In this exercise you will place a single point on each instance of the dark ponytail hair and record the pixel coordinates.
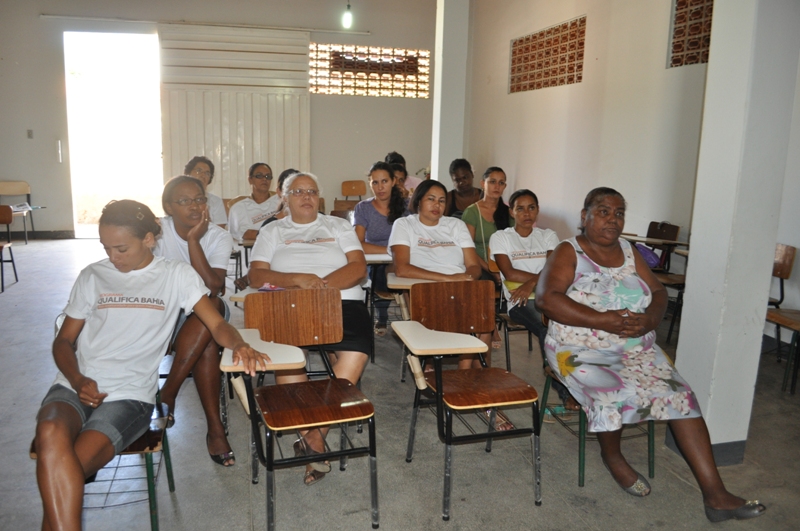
(501, 212)
(133, 215)
(397, 205)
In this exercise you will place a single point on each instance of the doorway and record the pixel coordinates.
(114, 122)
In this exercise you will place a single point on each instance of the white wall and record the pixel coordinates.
(347, 132)
(632, 124)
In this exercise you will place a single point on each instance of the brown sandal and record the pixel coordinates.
(312, 476)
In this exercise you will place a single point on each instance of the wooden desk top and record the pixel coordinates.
(240, 295)
(653, 241)
(424, 342)
(395, 282)
(382, 258)
(682, 252)
(283, 357)
(247, 243)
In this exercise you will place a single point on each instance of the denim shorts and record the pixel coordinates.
(122, 421)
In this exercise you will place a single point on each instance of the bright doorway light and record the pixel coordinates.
(114, 119)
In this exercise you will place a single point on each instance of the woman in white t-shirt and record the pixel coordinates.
(247, 216)
(308, 250)
(119, 319)
(188, 235)
(521, 252)
(202, 168)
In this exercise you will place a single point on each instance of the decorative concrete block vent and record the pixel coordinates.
(548, 58)
(691, 32)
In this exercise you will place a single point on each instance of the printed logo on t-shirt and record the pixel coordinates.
(526, 255)
(118, 300)
(311, 241)
(261, 217)
(430, 244)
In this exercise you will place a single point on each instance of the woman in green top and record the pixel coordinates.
(486, 217)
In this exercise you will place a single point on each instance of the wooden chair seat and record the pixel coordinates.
(482, 388)
(671, 279)
(323, 402)
(786, 318)
(444, 314)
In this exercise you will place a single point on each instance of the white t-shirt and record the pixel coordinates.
(217, 244)
(247, 214)
(216, 209)
(438, 248)
(129, 318)
(526, 254)
(319, 247)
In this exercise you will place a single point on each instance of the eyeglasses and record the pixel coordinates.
(185, 201)
(299, 191)
(266, 176)
(206, 173)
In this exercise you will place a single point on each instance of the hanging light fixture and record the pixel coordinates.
(347, 18)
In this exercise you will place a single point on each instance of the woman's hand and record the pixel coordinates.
(250, 359)
(309, 281)
(624, 323)
(88, 393)
(521, 295)
(199, 230)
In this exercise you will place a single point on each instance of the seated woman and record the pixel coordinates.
(308, 250)
(188, 236)
(119, 320)
(604, 304)
(373, 224)
(464, 194)
(203, 169)
(246, 216)
(520, 252)
(485, 217)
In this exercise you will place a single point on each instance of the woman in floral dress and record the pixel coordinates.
(604, 304)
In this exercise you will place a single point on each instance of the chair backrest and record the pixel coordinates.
(358, 188)
(493, 267)
(230, 202)
(6, 215)
(321, 208)
(784, 261)
(461, 307)
(299, 317)
(663, 230)
(344, 204)
(14, 188)
(344, 214)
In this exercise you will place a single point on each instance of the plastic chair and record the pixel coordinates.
(305, 318)
(443, 315)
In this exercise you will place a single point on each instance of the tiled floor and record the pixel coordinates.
(490, 491)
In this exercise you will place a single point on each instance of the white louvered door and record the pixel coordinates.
(237, 96)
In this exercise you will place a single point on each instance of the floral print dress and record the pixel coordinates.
(616, 380)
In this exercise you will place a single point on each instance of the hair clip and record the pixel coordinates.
(139, 216)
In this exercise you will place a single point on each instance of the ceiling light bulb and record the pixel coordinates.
(347, 18)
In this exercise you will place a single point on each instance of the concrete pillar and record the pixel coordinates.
(449, 85)
(747, 114)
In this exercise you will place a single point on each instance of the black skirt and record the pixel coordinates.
(357, 328)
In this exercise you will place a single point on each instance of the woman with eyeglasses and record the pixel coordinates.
(308, 250)
(247, 216)
(187, 235)
(203, 169)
